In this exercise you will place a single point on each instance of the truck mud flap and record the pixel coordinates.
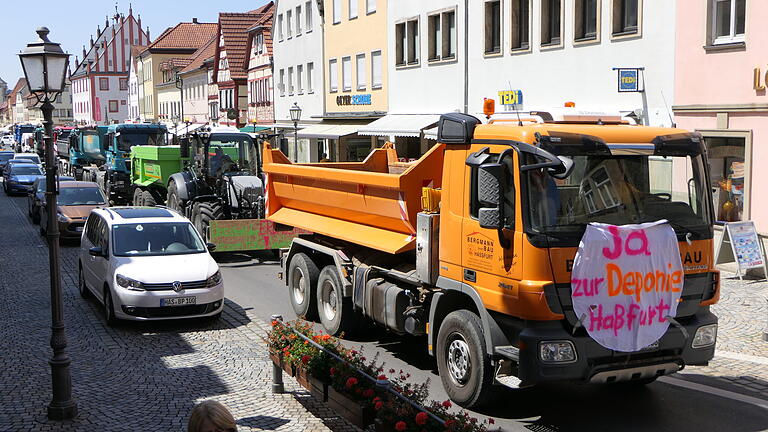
(358, 294)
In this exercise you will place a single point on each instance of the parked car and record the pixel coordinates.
(36, 196)
(6, 140)
(148, 263)
(5, 156)
(28, 156)
(75, 201)
(18, 177)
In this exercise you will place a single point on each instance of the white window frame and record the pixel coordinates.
(587, 38)
(280, 27)
(336, 12)
(310, 77)
(288, 25)
(281, 83)
(487, 29)
(352, 9)
(308, 16)
(290, 81)
(299, 73)
(732, 37)
(438, 45)
(361, 76)
(410, 58)
(561, 30)
(374, 84)
(616, 19)
(346, 73)
(370, 6)
(297, 14)
(333, 75)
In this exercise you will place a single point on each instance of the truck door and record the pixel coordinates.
(490, 264)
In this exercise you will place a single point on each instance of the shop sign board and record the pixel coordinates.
(511, 99)
(358, 99)
(629, 80)
(746, 248)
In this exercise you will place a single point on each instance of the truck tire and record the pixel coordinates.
(336, 313)
(203, 214)
(149, 199)
(462, 361)
(138, 197)
(173, 201)
(302, 280)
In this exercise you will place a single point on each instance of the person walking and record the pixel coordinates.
(211, 416)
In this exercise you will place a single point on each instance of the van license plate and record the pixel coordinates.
(178, 301)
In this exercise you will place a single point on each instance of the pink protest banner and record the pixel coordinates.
(626, 281)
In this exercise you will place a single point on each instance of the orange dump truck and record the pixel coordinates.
(473, 244)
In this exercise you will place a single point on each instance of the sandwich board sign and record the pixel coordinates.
(746, 249)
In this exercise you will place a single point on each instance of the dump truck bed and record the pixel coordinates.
(371, 203)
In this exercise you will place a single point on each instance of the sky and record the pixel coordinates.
(73, 22)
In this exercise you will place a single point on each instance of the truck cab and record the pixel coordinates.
(85, 152)
(120, 138)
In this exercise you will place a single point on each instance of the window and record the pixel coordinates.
(310, 74)
(521, 19)
(308, 15)
(407, 42)
(585, 19)
(361, 75)
(288, 24)
(336, 11)
(376, 72)
(442, 35)
(103, 83)
(493, 27)
(728, 18)
(113, 106)
(550, 22)
(299, 73)
(281, 84)
(346, 73)
(298, 20)
(280, 27)
(123, 83)
(333, 75)
(290, 81)
(370, 6)
(352, 8)
(728, 170)
(625, 17)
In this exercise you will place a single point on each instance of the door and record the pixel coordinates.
(88, 241)
(100, 264)
(490, 264)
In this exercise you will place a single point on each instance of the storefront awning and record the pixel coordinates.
(328, 131)
(403, 125)
(184, 129)
(252, 129)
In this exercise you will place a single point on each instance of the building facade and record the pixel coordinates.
(62, 109)
(300, 52)
(195, 83)
(260, 88)
(721, 70)
(135, 90)
(100, 79)
(17, 102)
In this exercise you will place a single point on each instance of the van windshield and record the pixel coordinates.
(166, 238)
(628, 186)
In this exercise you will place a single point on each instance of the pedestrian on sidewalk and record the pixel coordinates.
(211, 416)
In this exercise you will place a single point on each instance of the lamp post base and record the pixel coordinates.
(59, 412)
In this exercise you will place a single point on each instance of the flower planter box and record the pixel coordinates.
(318, 389)
(381, 426)
(302, 377)
(277, 358)
(350, 409)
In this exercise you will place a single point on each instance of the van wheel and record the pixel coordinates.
(464, 366)
(138, 197)
(302, 280)
(334, 309)
(84, 293)
(109, 308)
(149, 199)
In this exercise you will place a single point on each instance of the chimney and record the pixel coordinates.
(194, 21)
(148, 38)
(98, 32)
(91, 41)
(77, 61)
(84, 53)
(139, 22)
(106, 22)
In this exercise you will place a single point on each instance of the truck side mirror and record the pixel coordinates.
(184, 147)
(491, 188)
(563, 170)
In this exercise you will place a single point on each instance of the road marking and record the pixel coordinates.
(762, 403)
(742, 357)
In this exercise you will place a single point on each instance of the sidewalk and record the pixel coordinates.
(136, 377)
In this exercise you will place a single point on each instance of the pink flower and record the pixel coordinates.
(447, 404)
(400, 426)
(351, 382)
(306, 359)
(421, 418)
(378, 405)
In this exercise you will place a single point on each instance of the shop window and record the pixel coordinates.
(585, 19)
(442, 35)
(520, 31)
(492, 27)
(626, 17)
(728, 20)
(727, 171)
(551, 13)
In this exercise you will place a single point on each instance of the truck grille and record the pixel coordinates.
(169, 286)
(697, 287)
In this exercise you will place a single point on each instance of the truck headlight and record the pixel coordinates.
(705, 336)
(214, 280)
(129, 283)
(557, 352)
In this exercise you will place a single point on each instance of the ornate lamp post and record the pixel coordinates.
(295, 112)
(180, 86)
(45, 68)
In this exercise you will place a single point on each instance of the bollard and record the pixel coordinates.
(277, 371)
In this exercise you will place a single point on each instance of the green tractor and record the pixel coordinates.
(214, 178)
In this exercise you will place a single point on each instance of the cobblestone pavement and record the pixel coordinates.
(136, 377)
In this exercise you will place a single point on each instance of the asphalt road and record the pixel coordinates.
(661, 406)
(252, 283)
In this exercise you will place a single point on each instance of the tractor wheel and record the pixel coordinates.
(138, 197)
(173, 201)
(149, 199)
(204, 213)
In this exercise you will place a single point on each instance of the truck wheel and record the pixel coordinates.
(335, 311)
(302, 280)
(138, 197)
(204, 213)
(464, 366)
(149, 199)
(173, 200)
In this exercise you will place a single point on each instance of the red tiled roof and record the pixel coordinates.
(185, 36)
(175, 63)
(201, 55)
(234, 29)
(20, 84)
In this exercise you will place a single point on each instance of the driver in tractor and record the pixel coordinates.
(221, 162)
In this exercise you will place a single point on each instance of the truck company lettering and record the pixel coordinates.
(480, 251)
(626, 281)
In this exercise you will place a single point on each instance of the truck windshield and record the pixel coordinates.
(230, 153)
(620, 188)
(90, 141)
(127, 140)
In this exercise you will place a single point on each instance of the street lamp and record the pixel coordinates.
(45, 68)
(295, 112)
(180, 86)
